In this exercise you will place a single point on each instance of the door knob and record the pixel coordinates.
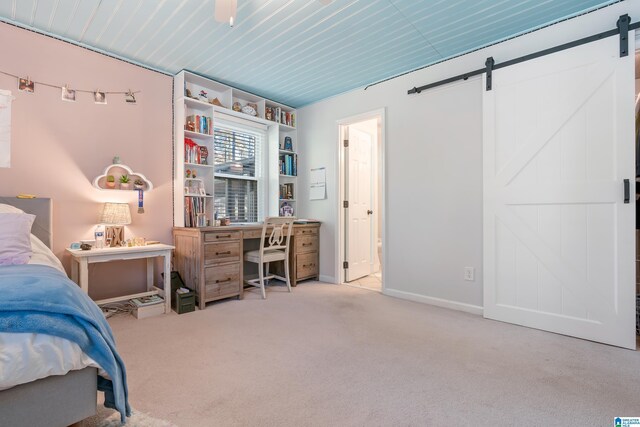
(369, 212)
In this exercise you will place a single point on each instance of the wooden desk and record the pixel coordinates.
(80, 261)
(210, 259)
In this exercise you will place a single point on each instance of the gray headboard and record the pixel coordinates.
(41, 208)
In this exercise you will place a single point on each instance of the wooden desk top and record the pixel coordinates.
(242, 227)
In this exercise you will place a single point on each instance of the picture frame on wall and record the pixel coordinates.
(67, 94)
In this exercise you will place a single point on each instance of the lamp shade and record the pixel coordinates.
(115, 213)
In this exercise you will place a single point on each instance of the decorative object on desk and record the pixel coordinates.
(288, 143)
(115, 216)
(125, 183)
(140, 201)
(26, 85)
(225, 221)
(85, 246)
(111, 181)
(286, 209)
(67, 94)
(202, 96)
(138, 184)
(204, 153)
(75, 246)
(99, 97)
(237, 107)
(216, 101)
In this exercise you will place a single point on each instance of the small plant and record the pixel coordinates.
(111, 178)
(111, 181)
(124, 179)
(138, 182)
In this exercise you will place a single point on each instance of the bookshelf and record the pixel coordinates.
(199, 104)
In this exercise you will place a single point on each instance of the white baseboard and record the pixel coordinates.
(454, 305)
(327, 279)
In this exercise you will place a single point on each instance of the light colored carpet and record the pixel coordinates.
(110, 418)
(329, 355)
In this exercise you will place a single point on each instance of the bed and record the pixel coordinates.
(53, 338)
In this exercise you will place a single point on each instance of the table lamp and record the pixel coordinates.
(115, 216)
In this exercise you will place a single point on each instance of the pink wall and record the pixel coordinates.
(58, 147)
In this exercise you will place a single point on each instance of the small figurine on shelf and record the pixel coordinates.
(190, 126)
(237, 106)
(268, 113)
(288, 144)
(188, 172)
(286, 209)
(202, 96)
(116, 160)
(204, 153)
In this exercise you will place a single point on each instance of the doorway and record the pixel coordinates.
(361, 198)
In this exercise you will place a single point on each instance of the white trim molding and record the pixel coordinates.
(439, 302)
(328, 279)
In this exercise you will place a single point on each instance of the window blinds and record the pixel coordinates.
(237, 162)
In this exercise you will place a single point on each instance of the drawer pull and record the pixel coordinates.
(223, 281)
(307, 244)
(220, 236)
(223, 253)
(308, 265)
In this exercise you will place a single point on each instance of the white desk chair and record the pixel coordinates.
(276, 248)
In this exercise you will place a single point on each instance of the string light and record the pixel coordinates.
(69, 94)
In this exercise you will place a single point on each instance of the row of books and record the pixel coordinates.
(200, 124)
(278, 115)
(192, 151)
(286, 191)
(288, 164)
(194, 212)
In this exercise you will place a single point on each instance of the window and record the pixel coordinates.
(238, 180)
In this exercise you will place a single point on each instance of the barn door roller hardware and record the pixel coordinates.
(623, 26)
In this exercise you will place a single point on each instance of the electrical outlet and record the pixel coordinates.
(469, 273)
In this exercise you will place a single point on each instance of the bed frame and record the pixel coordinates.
(58, 400)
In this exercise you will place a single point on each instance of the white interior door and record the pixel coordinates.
(359, 237)
(558, 239)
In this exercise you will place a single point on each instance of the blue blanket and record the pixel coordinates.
(41, 299)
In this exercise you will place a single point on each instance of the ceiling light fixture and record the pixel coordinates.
(226, 11)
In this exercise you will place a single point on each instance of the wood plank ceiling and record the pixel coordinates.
(293, 51)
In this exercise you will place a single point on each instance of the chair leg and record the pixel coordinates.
(286, 273)
(261, 271)
(267, 271)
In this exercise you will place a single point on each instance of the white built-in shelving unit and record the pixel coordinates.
(279, 121)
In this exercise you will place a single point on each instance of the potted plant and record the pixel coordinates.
(138, 184)
(125, 183)
(111, 181)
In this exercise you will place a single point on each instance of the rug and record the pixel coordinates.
(109, 418)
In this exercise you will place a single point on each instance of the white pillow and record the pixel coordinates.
(15, 238)
(9, 209)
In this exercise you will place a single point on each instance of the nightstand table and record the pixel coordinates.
(80, 261)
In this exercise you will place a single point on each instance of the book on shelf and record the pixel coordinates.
(289, 164)
(194, 212)
(200, 124)
(286, 191)
(276, 114)
(148, 300)
(192, 151)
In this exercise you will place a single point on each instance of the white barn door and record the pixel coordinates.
(559, 250)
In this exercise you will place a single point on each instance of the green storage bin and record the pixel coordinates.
(184, 303)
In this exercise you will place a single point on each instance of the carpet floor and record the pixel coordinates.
(328, 355)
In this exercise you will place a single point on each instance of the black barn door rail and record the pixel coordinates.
(623, 26)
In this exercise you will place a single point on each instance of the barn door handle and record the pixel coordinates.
(626, 191)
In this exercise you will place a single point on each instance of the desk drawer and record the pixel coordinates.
(306, 244)
(216, 253)
(221, 280)
(219, 236)
(306, 265)
(305, 231)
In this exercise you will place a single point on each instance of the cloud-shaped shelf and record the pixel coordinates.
(117, 170)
